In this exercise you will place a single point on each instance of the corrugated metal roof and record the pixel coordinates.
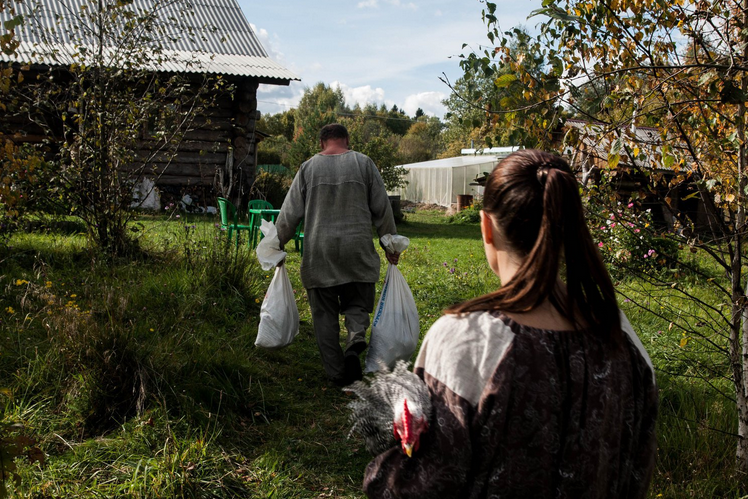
(196, 36)
(456, 162)
(496, 151)
(595, 141)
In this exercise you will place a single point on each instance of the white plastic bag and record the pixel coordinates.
(279, 316)
(268, 250)
(395, 329)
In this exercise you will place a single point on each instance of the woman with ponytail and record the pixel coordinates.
(540, 389)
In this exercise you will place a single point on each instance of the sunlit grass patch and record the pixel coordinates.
(139, 377)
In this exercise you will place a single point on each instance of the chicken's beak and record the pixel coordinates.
(408, 448)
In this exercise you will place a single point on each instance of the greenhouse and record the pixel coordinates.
(441, 181)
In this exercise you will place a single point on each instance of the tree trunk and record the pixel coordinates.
(739, 345)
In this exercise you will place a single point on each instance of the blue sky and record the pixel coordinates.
(381, 51)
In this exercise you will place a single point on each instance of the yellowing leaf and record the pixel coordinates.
(683, 342)
(505, 80)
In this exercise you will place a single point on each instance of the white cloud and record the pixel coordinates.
(397, 3)
(374, 4)
(273, 99)
(360, 95)
(429, 102)
(268, 43)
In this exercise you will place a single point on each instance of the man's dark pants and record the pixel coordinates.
(355, 301)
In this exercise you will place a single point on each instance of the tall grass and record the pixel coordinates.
(139, 378)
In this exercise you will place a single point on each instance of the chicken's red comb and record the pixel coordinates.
(406, 421)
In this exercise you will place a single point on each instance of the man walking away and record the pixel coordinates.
(339, 194)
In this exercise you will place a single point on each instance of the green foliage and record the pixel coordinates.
(14, 445)
(469, 215)
(273, 187)
(397, 121)
(274, 151)
(370, 137)
(19, 184)
(422, 142)
(319, 106)
(279, 125)
(487, 102)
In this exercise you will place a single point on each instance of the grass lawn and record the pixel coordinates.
(140, 378)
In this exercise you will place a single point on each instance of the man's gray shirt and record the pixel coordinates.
(339, 196)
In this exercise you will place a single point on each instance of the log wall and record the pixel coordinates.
(217, 156)
(219, 152)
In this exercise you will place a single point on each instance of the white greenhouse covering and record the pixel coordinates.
(440, 181)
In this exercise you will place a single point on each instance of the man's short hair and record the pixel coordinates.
(333, 131)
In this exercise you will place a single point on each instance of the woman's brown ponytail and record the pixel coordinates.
(534, 199)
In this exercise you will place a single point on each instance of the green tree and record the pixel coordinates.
(467, 121)
(279, 125)
(484, 102)
(319, 106)
(423, 142)
(276, 149)
(680, 67)
(369, 136)
(397, 121)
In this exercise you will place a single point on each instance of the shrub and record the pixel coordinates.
(469, 215)
(273, 187)
(216, 263)
(20, 185)
(628, 241)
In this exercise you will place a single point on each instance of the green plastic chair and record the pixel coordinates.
(256, 220)
(298, 238)
(230, 219)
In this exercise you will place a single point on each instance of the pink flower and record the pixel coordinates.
(637, 230)
(612, 225)
(630, 205)
(600, 244)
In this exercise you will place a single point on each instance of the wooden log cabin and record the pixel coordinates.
(218, 155)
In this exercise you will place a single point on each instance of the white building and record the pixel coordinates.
(440, 181)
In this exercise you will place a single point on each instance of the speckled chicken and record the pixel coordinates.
(393, 406)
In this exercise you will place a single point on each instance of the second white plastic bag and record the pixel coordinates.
(279, 315)
(395, 329)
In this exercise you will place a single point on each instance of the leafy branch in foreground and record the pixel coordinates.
(678, 68)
